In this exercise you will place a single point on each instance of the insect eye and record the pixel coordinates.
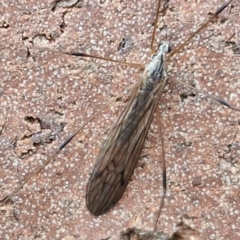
(169, 48)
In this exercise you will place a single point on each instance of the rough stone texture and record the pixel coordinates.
(45, 96)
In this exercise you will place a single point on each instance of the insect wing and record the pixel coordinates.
(118, 157)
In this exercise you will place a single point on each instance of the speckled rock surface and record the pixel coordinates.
(45, 96)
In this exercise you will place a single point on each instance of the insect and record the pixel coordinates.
(29, 119)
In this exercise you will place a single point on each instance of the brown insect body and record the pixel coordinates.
(118, 156)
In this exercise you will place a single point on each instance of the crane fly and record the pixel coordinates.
(118, 156)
